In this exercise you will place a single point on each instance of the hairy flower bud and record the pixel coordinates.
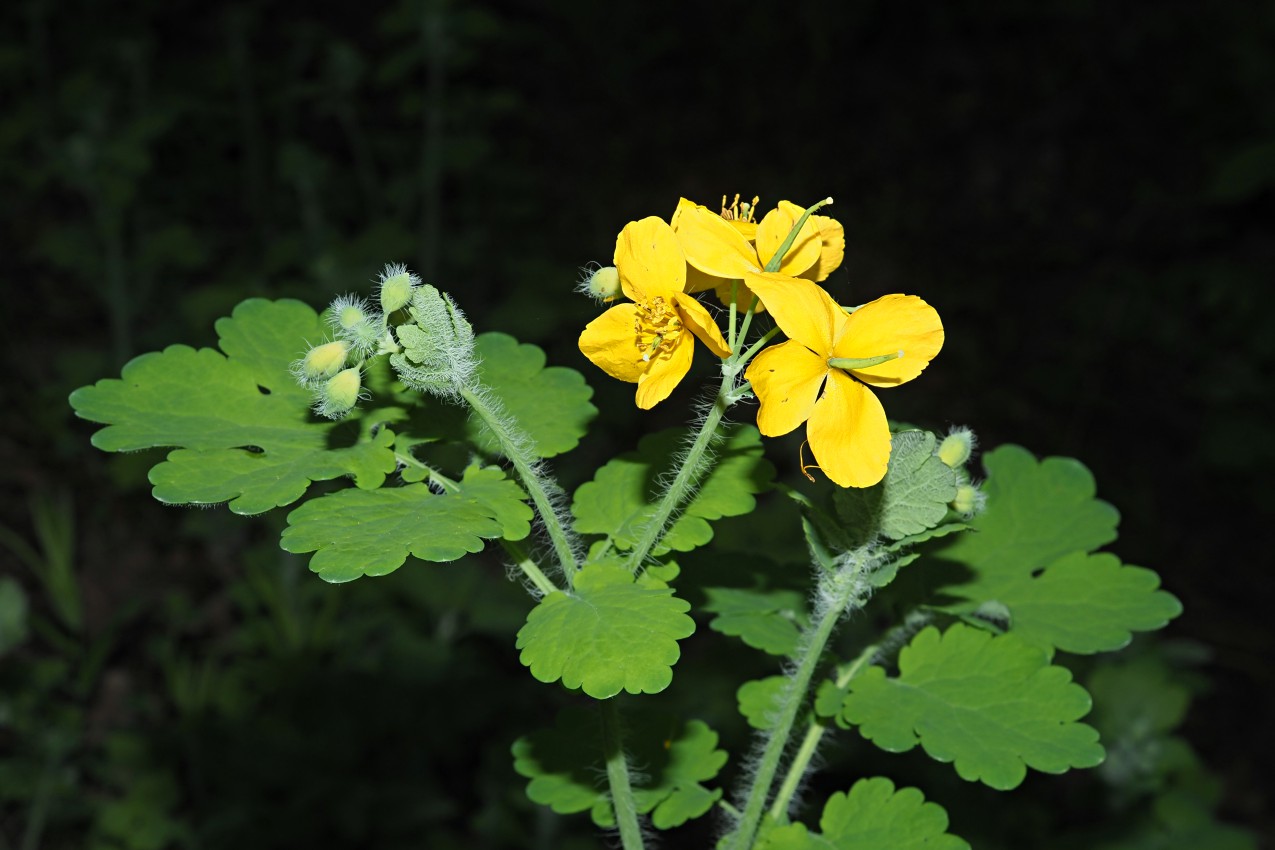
(322, 361)
(396, 287)
(339, 394)
(357, 324)
(957, 447)
(969, 500)
(602, 284)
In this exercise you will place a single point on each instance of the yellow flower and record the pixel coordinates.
(647, 342)
(728, 247)
(882, 344)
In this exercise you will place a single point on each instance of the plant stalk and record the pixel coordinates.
(618, 776)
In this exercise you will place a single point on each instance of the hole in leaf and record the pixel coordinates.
(263, 390)
(1038, 572)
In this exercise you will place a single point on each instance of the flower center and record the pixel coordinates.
(739, 211)
(656, 327)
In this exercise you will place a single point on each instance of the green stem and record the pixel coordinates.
(618, 776)
(778, 258)
(841, 588)
(513, 444)
(687, 477)
(734, 287)
(529, 567)
(759, 344)
(810, 744)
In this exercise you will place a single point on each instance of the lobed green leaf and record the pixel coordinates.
(768, 620)
(872, 816)
(566, 767)
(242, 426)
(610, 634)
(623, 494)
(912, 498)
(355, 533)
(993, 705)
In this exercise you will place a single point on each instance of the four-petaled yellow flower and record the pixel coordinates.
(650, 340)
(822, 373)
(722, 248)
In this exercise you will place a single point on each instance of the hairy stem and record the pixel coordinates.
(514, 445)
(838, 591)
(618, 776)
(687, 477)
(810, 744)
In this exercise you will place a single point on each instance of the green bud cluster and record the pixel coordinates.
(956, 450)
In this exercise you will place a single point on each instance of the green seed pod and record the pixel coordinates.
(322, 361)
(339, 394)
(957, 447)
(396, 287)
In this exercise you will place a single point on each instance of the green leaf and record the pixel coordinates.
(610, 634)
(872, 816)
(1079, 603)
(1027, 552)
(912, 498)
(242, 426)
(759, 699)
(567, 769)
(621, 497)
(768, 620)
(1036, 513)
(550, 404)
(355, 533)
(991, 704)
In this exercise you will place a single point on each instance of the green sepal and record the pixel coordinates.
(611, 633)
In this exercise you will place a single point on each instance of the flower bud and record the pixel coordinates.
(396, 287)
(969, 500)
(957, 447)
(322, 361)
(357, 324)
(339, 393)
(602, 283)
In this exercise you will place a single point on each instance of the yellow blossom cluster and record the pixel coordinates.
(821, 375)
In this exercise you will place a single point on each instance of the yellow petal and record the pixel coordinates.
(848, 433)
(889, 324)
(700, 323)
(832, 238)
(743, 296)
(682, 205)
(713, 246)
(801, 309)
(665, 372)
(747, 229)
(649, 259)
(697, 281)
(610, 341)
(786, 379)
(773, 230)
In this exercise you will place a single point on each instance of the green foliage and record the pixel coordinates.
(565, 766)
(551, 404)
(759, 699)
(768, 620)
(13, 614)
(610, 634)
(991, 704)
(371, 532)
(912, 498)
(243, 425)
(1027, 552)
(622, 495)
(872, 816)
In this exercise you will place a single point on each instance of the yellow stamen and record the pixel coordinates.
(737, 211)
(656, 327)
(801, 459)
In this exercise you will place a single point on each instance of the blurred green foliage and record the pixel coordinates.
(1084, 192)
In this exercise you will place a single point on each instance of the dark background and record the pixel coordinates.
(1084, 190)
